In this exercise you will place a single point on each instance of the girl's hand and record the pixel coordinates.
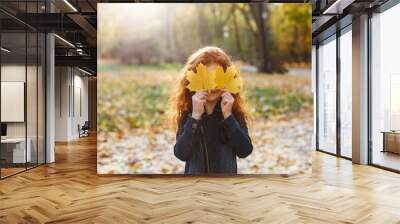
(226, 104)
(199, 101)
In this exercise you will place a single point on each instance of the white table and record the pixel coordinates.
(18, 144)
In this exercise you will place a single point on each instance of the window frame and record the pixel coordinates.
(346, 27)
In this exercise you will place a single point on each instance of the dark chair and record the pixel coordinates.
(84, 130)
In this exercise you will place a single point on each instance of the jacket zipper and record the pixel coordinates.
(204, 143)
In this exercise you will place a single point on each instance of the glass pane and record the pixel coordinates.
(13, 86)
(386, 89)
(31, 97)
(41, 98)
(346, 94)
(327, 97)
(22, 88)
(31, 86)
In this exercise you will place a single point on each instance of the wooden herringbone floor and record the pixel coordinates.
(70, 191)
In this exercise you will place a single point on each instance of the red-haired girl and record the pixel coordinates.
(211, 125)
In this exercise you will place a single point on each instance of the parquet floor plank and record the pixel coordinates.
(70, 191)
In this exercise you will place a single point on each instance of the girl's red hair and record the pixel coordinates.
(182, 97)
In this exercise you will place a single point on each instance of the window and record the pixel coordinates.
(346, 92)
(327, 95)
(385, 88)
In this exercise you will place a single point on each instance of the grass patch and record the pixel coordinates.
(125, 103)
(271, 101)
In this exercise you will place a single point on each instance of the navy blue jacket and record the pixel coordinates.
(211, 144)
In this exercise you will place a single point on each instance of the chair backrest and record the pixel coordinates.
(86, 124)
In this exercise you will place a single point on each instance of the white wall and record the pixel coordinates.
(62, 81)
(80, 110)
(12, 73)
(70, 83)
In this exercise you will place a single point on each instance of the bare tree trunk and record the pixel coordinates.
(246, 15)
(237, 36)
(203, 26)
(260, 14)
(170, 34)
(220, 22)
(267, 62)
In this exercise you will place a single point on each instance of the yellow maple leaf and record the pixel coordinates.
(228, 80)
(202, 79)
(235, 85)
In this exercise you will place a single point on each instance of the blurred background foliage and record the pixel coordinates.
(269, 37)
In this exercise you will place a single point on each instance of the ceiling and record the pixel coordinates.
(75, 22)
(329, 15)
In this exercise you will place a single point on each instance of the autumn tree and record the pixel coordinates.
(267, 36)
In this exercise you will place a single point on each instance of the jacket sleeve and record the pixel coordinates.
(237, 137)
(185, 138)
